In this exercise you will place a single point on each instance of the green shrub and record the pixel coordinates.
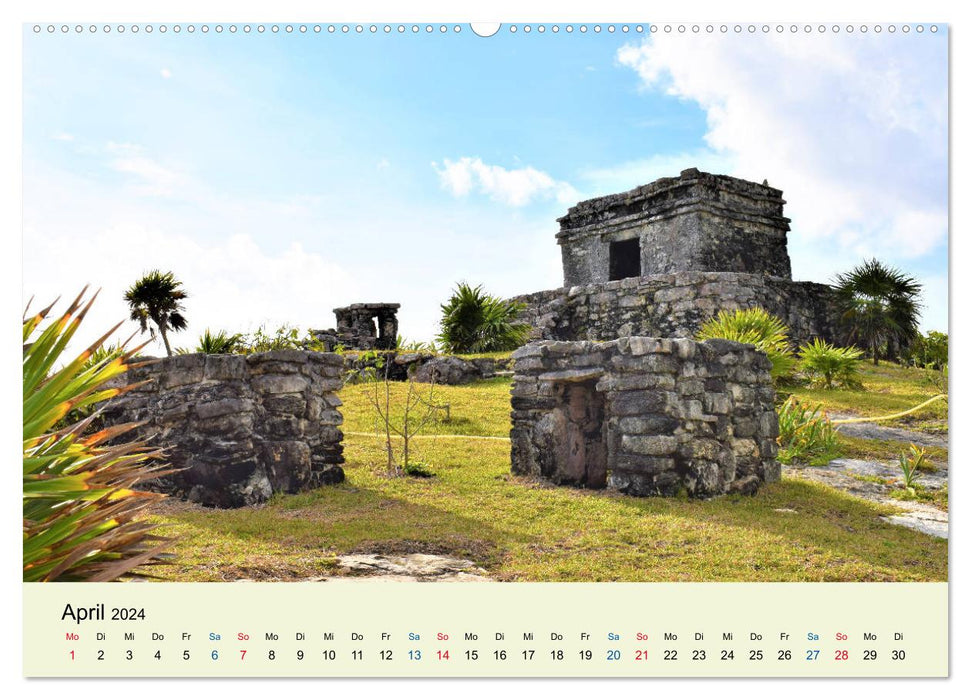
(759, 328)
(286, 337)
(219, 343)
(405, 345)
(878, 308)
(929, 351)
(473, 322)
(805, 434)
(830, 367)
(80, 505)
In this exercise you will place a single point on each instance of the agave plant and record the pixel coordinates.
(219, 343)
(80, 505)
(805, 433)
(831, 367)
(757, 327)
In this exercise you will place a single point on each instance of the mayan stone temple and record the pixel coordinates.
(614, 391)
(661, 259)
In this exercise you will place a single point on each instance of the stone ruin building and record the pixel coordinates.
(647, 416)
(613, 391)
(363, 327)
(663, 258)
(238, 428)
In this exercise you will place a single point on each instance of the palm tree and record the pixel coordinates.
(157, 297)
(473, 322)
(877, 305)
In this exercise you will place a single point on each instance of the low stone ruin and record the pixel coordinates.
(647, 416)
(428, 367)
(363, 327)
(239, 427)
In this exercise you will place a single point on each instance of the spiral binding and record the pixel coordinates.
(417, 29)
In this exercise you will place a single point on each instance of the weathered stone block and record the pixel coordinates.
(717, 403)
(280, 383)
(222, 407)
(182, 375)
(633, 403)
(583, 374)
(225, 367)
(656, 445)
(648, 425)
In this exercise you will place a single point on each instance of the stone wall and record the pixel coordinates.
(647, 416)
(239, 427)
(675, 306)
(695, 222)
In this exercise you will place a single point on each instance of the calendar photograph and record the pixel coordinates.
(464, 303)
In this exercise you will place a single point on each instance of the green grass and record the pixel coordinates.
(481, 408)
(887, 389)
(520, 530)
(936, 497)
(886, 450)
(497, 355)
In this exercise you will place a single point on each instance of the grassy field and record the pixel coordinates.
(519, 530)
(887, 389)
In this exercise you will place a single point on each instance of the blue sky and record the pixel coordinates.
(282, 175)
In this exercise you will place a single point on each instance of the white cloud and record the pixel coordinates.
(516, 187)
(233, 283)
(852, 128)
(152, 177)
(165, 73)
(62, 136)
(626, 176)
(93, 236)
(270, 260)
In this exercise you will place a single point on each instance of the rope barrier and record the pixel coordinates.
(434, 437)
(842, 421)
(845, 421)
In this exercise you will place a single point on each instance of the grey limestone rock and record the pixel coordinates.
(595, 414)
(239, 428)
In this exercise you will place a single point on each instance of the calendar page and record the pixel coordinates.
(547, 349)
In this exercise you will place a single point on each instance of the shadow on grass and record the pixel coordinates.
(519, 530)
(318, 525)
(817, 519)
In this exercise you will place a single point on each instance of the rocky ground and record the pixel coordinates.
(401, 568)
(875, 481)
(874, 431)
(410, 567)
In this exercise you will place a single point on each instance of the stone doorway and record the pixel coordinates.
(625, 259)
(580, 456)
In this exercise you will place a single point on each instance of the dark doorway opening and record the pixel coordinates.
(580, 451)
(625, 259)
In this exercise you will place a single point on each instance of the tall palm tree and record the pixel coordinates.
(878, 305)
(157, 297)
